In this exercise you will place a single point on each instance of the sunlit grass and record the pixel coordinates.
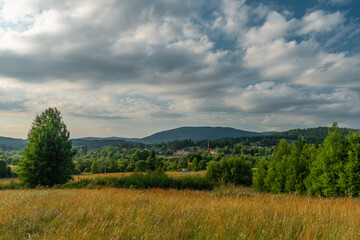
(225, 213)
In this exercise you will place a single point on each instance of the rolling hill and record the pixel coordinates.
(197, 134)
(11, 141)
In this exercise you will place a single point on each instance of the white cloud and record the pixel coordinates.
(275, 27)
(281, 60)
(138, 61)
(319, 21)
(279, 105)
(235, 17)
(332, 70)
(20, 10)
(265, 97)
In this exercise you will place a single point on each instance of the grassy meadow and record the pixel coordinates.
(93, 176)
(224, 213)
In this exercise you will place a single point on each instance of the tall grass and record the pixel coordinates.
(133, 181)
(225, 213)
(93, 176)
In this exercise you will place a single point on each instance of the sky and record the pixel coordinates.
(132, 68)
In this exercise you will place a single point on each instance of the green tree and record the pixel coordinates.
(275, 178)
(214, 171)
(141, 166)
(112, 165)
(4, 171)
(350, 177)
(94, 167)
(202, 165)
(48, 157)
(130, 167)
(151, 160)
(195, 164)
(328, 166)
(259, 175)
(136, 156)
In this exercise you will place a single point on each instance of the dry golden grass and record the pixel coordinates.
(225, 213)
(7, 180)
(93, 176)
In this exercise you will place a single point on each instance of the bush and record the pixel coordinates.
(156, 180)
(11, 185)
(230, 170)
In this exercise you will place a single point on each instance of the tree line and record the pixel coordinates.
(330, 168)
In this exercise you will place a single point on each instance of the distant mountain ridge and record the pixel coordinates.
(197, 134)
(12, 141)
(182, 133)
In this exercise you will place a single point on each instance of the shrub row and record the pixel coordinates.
(134, 181)
(155, 180)
(10, 185)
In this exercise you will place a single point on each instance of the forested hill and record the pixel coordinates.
(197, 134)
(95, 143)
(7, 143)
(311, 135)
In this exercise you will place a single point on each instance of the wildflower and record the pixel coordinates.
(263, 231)
(54, 214)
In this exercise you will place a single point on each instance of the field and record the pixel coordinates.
(93, 176)
(224, 213)
(172, 174)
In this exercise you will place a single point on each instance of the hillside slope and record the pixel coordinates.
(6, 141)
(197, 134)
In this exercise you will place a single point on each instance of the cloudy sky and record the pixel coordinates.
(131, 68)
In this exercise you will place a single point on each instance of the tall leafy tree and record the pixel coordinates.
(113, 165)
(151, 160)
(4, 169)
(276, 174)
(328, 166)
(48, 157)
(259, 175)
(95, 168)
(349, 181)
(141, 166)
